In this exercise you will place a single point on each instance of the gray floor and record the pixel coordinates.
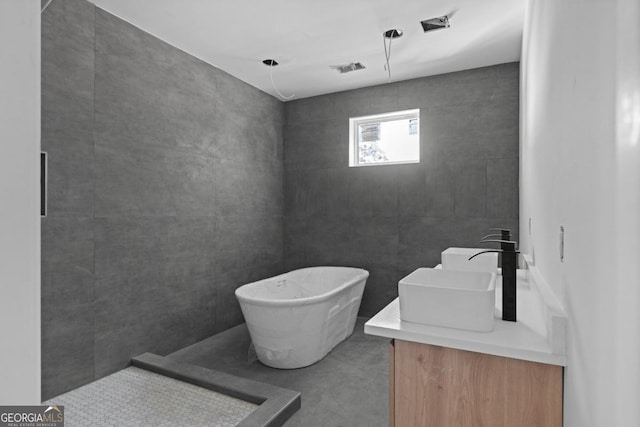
(347, 388)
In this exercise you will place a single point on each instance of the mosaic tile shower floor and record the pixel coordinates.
(136, 397)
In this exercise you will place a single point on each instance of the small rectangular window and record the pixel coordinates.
(388, 138)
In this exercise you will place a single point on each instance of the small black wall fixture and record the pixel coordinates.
(43, 184)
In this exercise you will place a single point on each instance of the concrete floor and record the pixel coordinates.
(347, 388)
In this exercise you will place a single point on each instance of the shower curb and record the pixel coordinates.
(276, 404)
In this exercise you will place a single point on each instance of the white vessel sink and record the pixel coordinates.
(455, 299)
(458, 259)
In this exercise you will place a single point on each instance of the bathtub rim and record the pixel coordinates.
(360, 274)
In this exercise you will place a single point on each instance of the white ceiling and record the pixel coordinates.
(307, 37)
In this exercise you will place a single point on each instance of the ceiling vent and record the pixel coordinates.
(347, 68)
(433, 24)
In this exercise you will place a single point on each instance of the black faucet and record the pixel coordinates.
(505, 234)
(509, 256)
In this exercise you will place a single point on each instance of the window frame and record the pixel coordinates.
(355, 122)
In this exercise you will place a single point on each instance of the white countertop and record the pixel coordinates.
(537, 336)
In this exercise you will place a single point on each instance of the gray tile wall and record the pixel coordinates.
(165, 194)
(393, 219)
(166, 188)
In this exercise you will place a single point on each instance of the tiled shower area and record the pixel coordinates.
(346, 388)
(165, 193)
(172, 183)
(134, 396)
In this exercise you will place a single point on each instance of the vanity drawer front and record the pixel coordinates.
(439, 386)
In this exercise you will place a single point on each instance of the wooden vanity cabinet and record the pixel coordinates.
(441, 387)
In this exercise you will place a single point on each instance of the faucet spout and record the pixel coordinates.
(485, 252)
(505, 233)
(508, 245)
(490, 236)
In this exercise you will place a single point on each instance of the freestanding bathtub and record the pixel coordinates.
(296, 318)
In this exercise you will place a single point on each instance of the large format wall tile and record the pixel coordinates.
(166, 194)
(502, 188)
(67, 347)
(440, 178)
(411, 190)
(67, 232)
(242, 138)
(337, 192)
(226, 284)
(169, 314)
(393, 219)
(67, 303)
(463, 87)
(317, 144)
(247, 241)
(471, 189)
(149, 93)
(310, 109)
(380, 289)
(294, 243)
(365, 101)
(67, 106)
(67, 260)
(152, 181)
(235, 96)
(242, 190)
(327, 241)
(247, 248)
(136, 248)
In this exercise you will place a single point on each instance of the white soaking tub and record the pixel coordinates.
(296, 318)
